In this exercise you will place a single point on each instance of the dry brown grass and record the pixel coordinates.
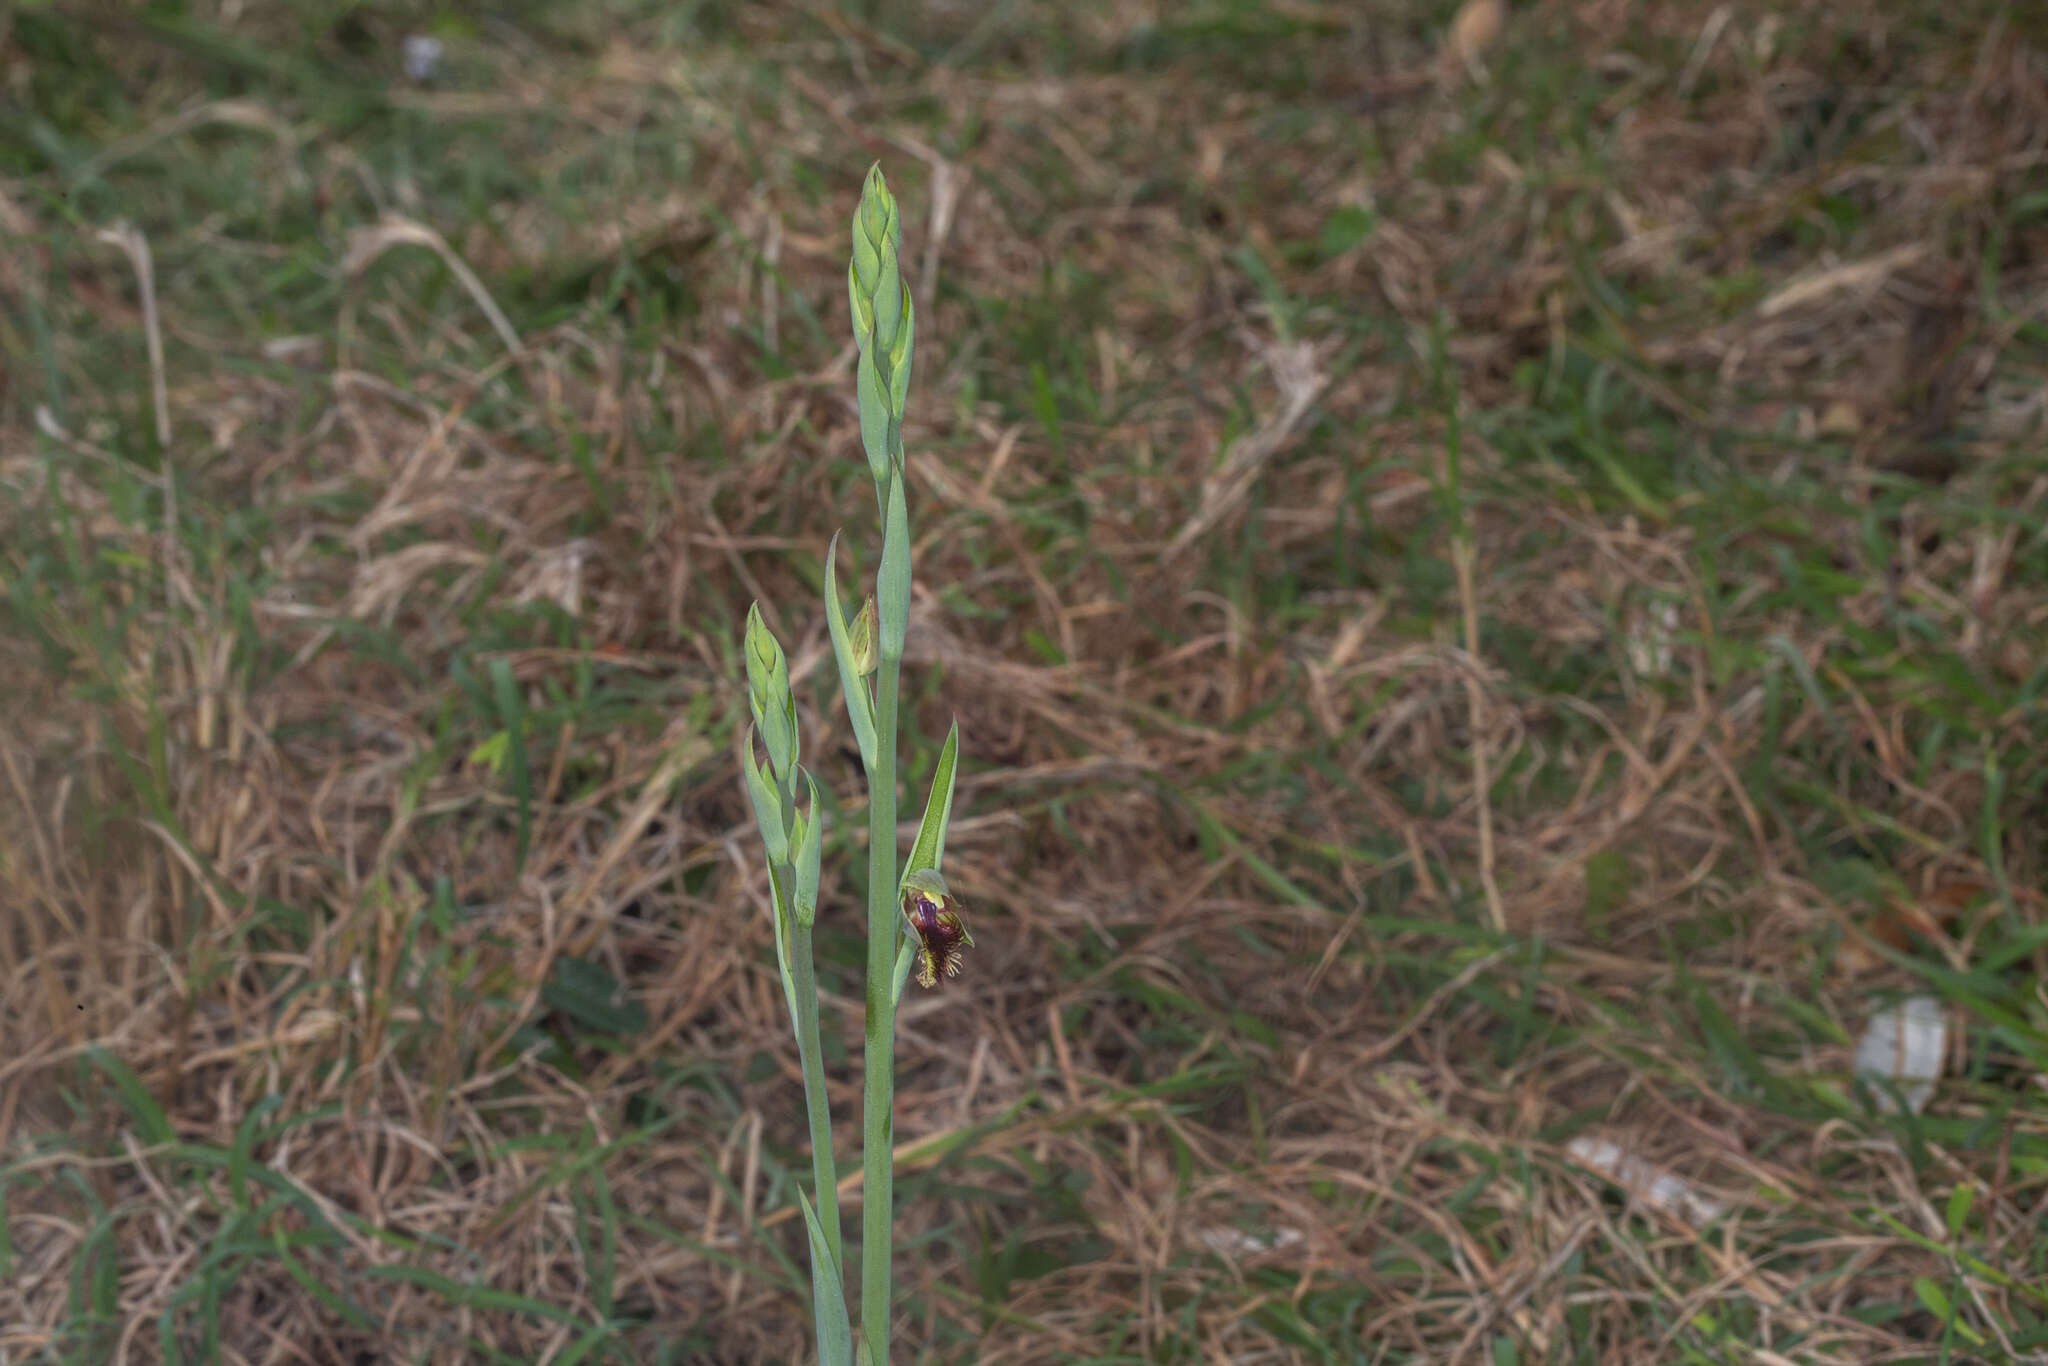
(1224, 857)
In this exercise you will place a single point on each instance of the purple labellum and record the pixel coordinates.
(941, 934)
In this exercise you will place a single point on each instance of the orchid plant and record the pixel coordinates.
(913, 920)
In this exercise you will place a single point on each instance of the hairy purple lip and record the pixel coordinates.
(941, 935)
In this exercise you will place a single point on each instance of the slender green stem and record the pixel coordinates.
(878, 1106)
(817, 1100)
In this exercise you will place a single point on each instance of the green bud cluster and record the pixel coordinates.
(883, 323)
(793, 839)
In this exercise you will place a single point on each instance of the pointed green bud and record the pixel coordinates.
(768, 694)
(899, 369)
(860, 638)
(873, 279)
(863, 306)
(809, 841)
(889, 296)
(877, 218)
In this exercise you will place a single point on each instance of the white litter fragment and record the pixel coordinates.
(422, 56)
(1231, 1242)
(1650, 640)
(1904, 1045)
(1647, 1183)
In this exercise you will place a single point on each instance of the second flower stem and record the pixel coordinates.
(824, 1171)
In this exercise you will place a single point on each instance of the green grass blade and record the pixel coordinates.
(149, 1116)
(512, 715)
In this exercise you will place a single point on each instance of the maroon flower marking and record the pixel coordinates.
(935, 920)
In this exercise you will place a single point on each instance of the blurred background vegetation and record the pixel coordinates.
(1490, 561)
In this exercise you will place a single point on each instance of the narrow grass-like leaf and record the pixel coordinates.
(597, 1337)
(241, 1155)
(828, 1298)
(860, 704)
(470, 1296)
(585, 990)
(512, 713)
(315, 1286)
(149, 1116)
(930, 848)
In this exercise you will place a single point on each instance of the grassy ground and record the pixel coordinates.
(1491, 613)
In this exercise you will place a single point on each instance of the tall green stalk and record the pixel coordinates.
(878, 1102)
(912, 919)
(882, 327)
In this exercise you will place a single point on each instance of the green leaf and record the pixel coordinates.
(808, 854)
(1345, 229)
(1608, 879)
(767, 807)
(892, 595)
(491, 753)
(930, 849)
(149, 1116)
(1937, 1302)
(828, 1295)
(860, 704)
(585, 991)
(1959, 1202)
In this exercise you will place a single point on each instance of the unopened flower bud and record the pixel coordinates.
(768, 694)
(860, 638)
